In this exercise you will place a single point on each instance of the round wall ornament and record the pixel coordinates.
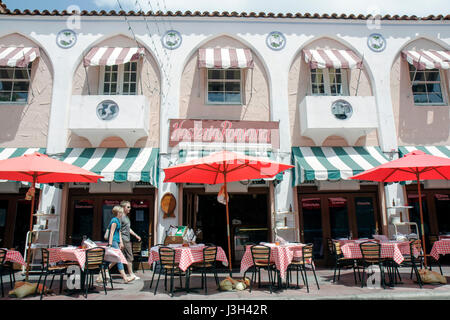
(276, 40)
(168, 205)
(66, 38)
(107, 110)
(376, 42)
(341, 109)
(171, 39)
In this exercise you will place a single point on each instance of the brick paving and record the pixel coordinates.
(344, 289)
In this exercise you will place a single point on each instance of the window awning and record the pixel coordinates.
(427, 59)
(225, 58)
(17, 56)
(332, 58)
(115, 164)
(109, 56)
(438, 151)
(333, 163)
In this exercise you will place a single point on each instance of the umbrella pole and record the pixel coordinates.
(228, 225)
(421, 222)
(31, 229)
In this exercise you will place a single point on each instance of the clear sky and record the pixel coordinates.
(401, 7)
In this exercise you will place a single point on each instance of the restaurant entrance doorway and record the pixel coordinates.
(249, 218)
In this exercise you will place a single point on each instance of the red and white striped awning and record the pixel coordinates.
(427, 59)
(225, 58)
(17, 56)
(109, 56)
(332, 58)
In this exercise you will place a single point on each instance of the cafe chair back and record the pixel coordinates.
(371, 255)
(6, 267)
(47, 269)
(341, 262)
(261, 260)
(169, 267)
(412, 261)
(156, 265)
(137, 254)
(301, 264)
(208, 263)
(95, 258)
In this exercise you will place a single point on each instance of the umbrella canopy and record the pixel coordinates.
(222, 167)
(414, 166)
(40, 168)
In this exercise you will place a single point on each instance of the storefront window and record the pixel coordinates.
(414, 213)
(338, 217)
(83, 221)
(442, 203)
(365, 217)
(3, 211)
(312, 224)
(139, 218)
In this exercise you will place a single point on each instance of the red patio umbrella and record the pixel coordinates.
(223, 167)
(40, 168)
(414, 166)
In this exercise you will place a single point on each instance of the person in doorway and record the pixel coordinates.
(115, 239)
(126, 233)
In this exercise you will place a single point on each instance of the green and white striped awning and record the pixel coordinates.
(438, 151)
(333, 163)
(117, 164)
(185, 155)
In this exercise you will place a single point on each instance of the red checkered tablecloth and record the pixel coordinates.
(393, 249)
(281, 255)
(15, 256)
(185, 256)
(440, 247)
(79, 255)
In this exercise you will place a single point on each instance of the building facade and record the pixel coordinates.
(128, 94)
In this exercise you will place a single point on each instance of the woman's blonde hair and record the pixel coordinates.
(116, 210)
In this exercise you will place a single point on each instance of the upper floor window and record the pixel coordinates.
(119, 79)
(14, 84)
(329, 82)
(224, 86)
(426, 86)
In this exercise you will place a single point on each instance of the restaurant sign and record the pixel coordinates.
(224, 131)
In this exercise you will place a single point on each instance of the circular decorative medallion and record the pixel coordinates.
(66, 38)
(168, 205)
(376, 42)
(341, 109)
(276, 40)
(107, 110)
(171, 39)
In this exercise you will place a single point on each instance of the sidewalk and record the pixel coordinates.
(345, 289)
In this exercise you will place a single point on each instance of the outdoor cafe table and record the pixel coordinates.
(15, 257)
(282, 255)
(441, 247)
(79, 255)
(185, 256)
(391, 249)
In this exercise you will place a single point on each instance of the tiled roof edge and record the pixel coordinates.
(5, 11)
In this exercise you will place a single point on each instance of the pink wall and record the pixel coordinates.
(26, 125)
(149, 83)
(418, 125)
(299, 87)
(256, 105)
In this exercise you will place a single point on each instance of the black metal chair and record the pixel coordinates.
(208, 263)
(156, 266)
(95, 262)
(167, 262)
(300, 263)
(137, 255)
(371, 255)
(414, 262)
(261, 260)
(340, 261)
(46, 270)
(8, 267)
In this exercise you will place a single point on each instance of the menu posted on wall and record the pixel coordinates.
(224, 131)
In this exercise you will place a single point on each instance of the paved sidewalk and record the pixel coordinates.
(344, 289)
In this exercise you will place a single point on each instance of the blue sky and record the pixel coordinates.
(401, 7)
